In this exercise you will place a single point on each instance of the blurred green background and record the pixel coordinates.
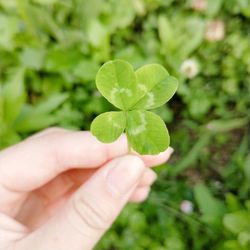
(50, 51)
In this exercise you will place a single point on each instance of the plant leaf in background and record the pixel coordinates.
(14, 95)
(8, 29)
(214, 7)
(32, 58)
(40, 116)
(237, 222)
(212, 209)
(133, 92)
(191, 34)
(12, 101)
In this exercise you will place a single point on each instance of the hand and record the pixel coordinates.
(62, 190)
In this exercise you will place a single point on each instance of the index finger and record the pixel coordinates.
(34, 162)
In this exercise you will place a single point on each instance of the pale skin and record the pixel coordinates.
(62, 190)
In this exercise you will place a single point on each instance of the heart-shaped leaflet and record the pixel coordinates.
(134, 93)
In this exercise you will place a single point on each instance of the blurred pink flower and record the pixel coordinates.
(215, 31)
(186, 207)
(199, 5)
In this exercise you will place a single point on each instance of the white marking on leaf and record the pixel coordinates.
(142, 87)
(142, 127)
(116, 125)
(115, 91)
(110, 120)
(151, 99)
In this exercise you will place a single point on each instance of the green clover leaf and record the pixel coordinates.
(133, 92)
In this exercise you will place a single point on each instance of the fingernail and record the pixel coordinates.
(125, 173)
(171, 150)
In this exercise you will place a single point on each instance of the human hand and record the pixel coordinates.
(62, 190)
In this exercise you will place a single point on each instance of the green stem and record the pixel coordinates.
(129, 149)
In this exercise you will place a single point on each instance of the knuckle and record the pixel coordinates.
(136, 159)
(95, 215)
(48, 132)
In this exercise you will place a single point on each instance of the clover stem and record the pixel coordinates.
(129, 149)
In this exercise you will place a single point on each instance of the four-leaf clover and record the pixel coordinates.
(133, 92)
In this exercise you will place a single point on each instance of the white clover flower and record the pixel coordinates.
(199, 5)
(215, 31)
(190, 68)
(187, 207)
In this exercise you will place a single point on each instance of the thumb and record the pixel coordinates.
(92, 209)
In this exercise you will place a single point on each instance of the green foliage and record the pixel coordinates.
(132, 92)
(108, 126)
(146, 132)
(211, 208)
(50, 53)
(237, 222)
